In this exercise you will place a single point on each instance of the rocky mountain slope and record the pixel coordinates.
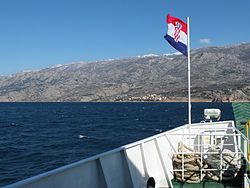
(217, 73)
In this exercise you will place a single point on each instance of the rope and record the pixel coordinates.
(228, 161)
(189, 164)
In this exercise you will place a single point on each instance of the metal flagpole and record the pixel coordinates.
(189, 93)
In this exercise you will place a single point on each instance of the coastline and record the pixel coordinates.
(171, 100)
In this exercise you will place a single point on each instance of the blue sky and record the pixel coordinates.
(38, 34)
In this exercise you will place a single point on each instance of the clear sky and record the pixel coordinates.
(37, 34)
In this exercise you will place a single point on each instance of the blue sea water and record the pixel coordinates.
(38, 137)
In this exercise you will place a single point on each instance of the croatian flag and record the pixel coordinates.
(177, 34)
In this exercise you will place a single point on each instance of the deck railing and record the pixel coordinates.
(208, 137)
(134, 163)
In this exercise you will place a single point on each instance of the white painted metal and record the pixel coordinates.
(210, 114)
(115, 170)
(246, 181)
(130, 165)
(189, 79)
(136, 166)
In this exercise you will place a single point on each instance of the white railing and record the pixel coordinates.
(217, 137)
(132, 164)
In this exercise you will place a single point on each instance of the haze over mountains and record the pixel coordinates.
(217, 73)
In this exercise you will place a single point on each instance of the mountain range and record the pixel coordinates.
(217, 74)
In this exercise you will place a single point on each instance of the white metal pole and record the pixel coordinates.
(189, 93)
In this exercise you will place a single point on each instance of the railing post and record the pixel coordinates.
(245, 149)
(246, 181)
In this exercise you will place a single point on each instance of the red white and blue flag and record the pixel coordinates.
(177, 34)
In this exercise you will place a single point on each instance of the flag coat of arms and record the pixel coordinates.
(177, 34)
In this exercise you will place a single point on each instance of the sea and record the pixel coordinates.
(38, 137)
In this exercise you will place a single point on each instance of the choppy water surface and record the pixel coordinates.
(37, 137)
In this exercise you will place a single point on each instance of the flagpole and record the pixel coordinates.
(189, 93)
